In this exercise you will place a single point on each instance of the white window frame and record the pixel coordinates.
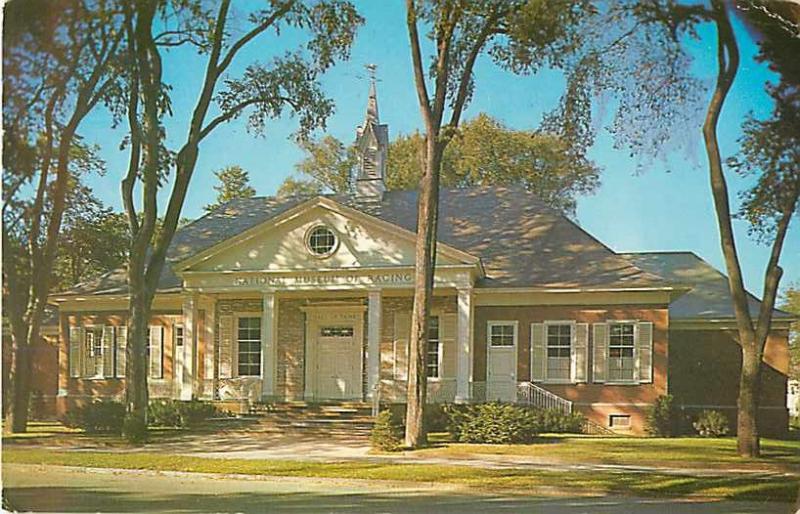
(163, 357)
(175, 327)
(439, 349)
(236, 319)
(572, 335)
(634, 323)
(93, 329)
(502, 323)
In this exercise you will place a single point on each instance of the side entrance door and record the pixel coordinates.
(501, 361)
(338, 363)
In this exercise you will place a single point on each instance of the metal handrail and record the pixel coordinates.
(376, 398)
(531, 394)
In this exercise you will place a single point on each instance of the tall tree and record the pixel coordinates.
(57, 66)
(234, 182)
(461, 32)
(482, 152)
(288, 83)
(769, 149)
(620, 48)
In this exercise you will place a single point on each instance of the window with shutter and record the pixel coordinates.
(621, 344)
(121, 348)
(448, 331)
(559, 352)
(402, 327)
(75, 345)
(225, 346)
(107, 365)
(580, 351)
(434, 353)
(155, 351)
(644, 351)
(248, 347)
(538, 352)
(599, 351)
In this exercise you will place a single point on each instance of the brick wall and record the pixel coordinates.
(597, 401)
(704, 369)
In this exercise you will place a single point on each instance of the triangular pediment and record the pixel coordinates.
(282, 244)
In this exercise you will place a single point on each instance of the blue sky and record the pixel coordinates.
(668, 207)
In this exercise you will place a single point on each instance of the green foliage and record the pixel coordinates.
(494, 423)
(179, 414)
(95, 417)
(234, 182)
(134, 429)
(663, 419)
(328, 163)
(711, 423)
(556, 422)
(483, 151)
(294, 187)
(791, 304)
(387, 432)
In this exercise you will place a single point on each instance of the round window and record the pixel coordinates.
(321, 241)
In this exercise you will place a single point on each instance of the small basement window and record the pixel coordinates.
(619, 421)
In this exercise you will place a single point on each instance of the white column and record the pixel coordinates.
(464, 345)
(269, 345)
(189, 346)
(209, 348)
(373, 341)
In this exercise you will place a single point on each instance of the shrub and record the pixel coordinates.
(494, 423)
(134, 429)
(179, 414)
(557, 422)
(711, 423)
(387, 432)
(99, 416)
(663, 419)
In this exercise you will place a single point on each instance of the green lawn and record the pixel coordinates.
(777, 455)
(507, 480)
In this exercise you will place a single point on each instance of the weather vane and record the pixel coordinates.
(372, 70)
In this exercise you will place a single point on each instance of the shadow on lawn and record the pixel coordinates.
(91, 499)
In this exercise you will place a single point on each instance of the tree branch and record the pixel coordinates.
(255, 31)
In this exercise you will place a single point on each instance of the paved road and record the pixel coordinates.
(54, 489)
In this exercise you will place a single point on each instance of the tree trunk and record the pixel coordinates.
(136, 394)
(747, 439)
(20, 381)
(425, 261)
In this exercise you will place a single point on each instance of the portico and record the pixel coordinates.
(323, 335)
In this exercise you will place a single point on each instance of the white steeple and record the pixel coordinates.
(372, 143)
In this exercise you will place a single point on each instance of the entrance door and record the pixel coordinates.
(338, 363)
(501, 361)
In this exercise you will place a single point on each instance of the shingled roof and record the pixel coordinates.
(710, 296)
(521, 241)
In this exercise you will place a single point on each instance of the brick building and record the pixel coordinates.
(309, 298)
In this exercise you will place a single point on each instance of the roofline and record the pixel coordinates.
(54, 298)
(323, 201)
(724, 322)
(666, 289)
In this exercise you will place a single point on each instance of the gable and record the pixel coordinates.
(281, 245)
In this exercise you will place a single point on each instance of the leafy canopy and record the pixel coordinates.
(234, 182)
(482, 152)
